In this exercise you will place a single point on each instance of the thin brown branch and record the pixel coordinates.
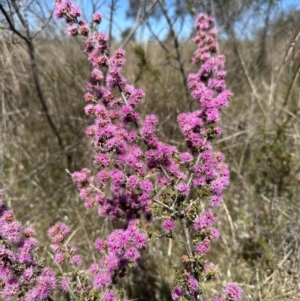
(178, 53)
(29, 41)
(111, 19)
(138, 22)
(11, 25)
(288, 94)
(162, 45)
(20, 16)
(189, 249)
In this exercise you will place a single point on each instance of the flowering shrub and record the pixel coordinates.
(22, 276)
(136, 177)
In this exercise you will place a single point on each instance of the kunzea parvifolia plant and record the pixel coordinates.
(138, 181)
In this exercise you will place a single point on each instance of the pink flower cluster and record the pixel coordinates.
(210, 175)
(21, 275)
(133, 166)
(232, 292)
(58, 235)
(121, 247)
(70, 12)
(136, 176)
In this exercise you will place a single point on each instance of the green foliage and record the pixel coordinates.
(144, 65)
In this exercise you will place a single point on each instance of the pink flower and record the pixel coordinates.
(205, 221)
(146, 185)
(177, 292)
(58, 232)
(76, 260)
(215, 234)
(183, 188)
(11, 289)
(97, 18)
(65, 284)
(168, 225)
(132, 254)
(72, 30)
(211, 271)
(193, 284)
(186, 157)
(109, 296)
(59, 258)
(202, 247)
(100, 244)
(233, 292)
(102, 279)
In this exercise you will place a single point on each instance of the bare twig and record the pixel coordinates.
(29, 41)
(177, 49)
(138, 21)
(288, 94)
(111, 19)
(229, 220)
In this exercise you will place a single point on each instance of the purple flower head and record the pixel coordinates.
(146, 185)
(45, 284)
(112, 262)
(59, 258)
(118, 59)
(93, 269)
(100, 244)
(168, 225)
(58, 232)
(67, 10)
(29, 232)
(5, 273)
(80, 176)
(211, 271)
(132, 182)
(76, 260)
(202, 247)
(186, 157)
(215, 201)
(183, 188)
(74, 11)
(205, 221)
(109, 296)
(132, 254)
(11, 289)
(83, 28)
(27, 274)
(72, 30)
(233, 292)
(177, 292)
(65, 284)
(97, 18)
(201, 181)
(215, 234)
(10, 228)
(101, 160)
(102, 279)
(97, 77)
(114, 78)
(193, 284)
(139, 240)
(218, 186)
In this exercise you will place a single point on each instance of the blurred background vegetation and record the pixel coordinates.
(42, 80)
